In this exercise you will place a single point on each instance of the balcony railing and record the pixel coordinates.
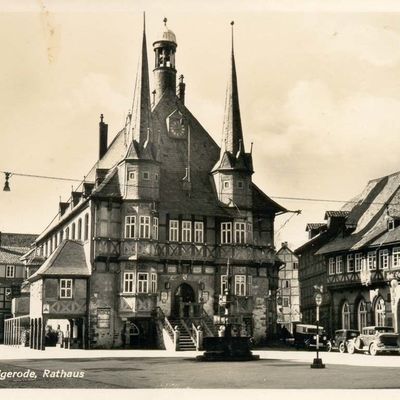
(143, 248)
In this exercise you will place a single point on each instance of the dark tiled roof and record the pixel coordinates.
(336, 214)
(387, 237)
(367, 214)
(263, 203)
(314, 226)
(68, 259)
(12, 255)
(16, 239)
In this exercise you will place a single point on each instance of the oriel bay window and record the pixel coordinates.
(128, 282)
(173, 230)
(199, 232)
(65, 288)
(143, 282)
(130, 226)
(226, 232)
(186, 231)
(240, 232)
(144, 227)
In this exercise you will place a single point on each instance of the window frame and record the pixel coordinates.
(198, 231)
(186, 231)
(395, 257)
(226, 232)
(173, 230)
(331, 266)
(142, 284)
(358, 262)
(339, 265)
(144, 227)
(10, 267)
(240, 232)
(383, 256)
(350, 263)
(240, 285)
(155, 229)
(64, 289)
(224, 284)
(128, 282)
(153, 282)
(129, 225)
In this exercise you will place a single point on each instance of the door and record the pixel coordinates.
(184, 301)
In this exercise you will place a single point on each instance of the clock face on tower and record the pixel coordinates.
(177, 125)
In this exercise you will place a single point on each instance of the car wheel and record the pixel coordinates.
(342, 347)
(350, 348)
(373, 350)
(329, 346)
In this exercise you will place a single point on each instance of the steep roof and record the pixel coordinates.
(367, 213)
(69, 259)
(16, 239)
(12, 254)
(314, 226)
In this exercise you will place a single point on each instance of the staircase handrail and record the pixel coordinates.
(206, 317)
(189, 331)
(165, 321)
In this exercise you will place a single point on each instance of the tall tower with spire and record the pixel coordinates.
(164, 69)
(139, 169)
(232, 173)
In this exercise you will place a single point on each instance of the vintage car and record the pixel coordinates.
(341, 339)
(305, 336)
(375, 340)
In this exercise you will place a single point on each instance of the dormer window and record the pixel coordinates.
(390, 224)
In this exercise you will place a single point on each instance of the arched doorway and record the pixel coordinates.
(184, 301)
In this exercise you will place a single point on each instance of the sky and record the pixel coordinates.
(319, 87)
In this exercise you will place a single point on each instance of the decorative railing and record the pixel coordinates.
(166, 324)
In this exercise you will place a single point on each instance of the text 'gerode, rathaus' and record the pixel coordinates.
(139, 256)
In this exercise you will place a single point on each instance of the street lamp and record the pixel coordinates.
(317, 362)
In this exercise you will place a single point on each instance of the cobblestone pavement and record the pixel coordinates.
(130, 369)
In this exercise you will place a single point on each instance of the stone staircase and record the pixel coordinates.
(186, 343)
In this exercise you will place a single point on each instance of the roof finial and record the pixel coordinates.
(232, 23)
(165, 21)
(101, 117)
(144, 21)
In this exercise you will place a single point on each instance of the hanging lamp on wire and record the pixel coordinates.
(7, 183)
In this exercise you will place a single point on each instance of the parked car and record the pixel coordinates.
(375, 340)
(305, 336)
(341, 339)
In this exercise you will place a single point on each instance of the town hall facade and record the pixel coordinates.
(138, 257)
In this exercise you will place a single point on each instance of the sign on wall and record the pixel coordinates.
(103, 317)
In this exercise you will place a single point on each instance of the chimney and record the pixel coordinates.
(103, 136)
(181, 89)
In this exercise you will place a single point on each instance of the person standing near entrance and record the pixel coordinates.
(59, 336)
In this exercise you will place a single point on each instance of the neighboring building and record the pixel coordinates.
(288, 295)
(143, 244)
(12, 271)
(362, 257)
(312, 273)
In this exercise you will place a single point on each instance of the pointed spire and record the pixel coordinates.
(141, 108)
(232, 136)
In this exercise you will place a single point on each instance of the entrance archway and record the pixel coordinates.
(184, 301)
